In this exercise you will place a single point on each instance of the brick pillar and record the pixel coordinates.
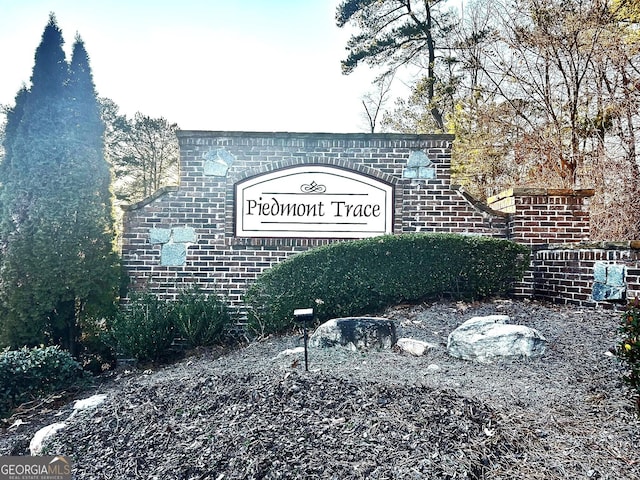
(540, 216)
(543, 216)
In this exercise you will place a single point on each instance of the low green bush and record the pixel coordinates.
(201, 318)
(28, 373)
(364, 276)
(144, 328)
(628, 350)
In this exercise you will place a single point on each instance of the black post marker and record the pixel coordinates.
(302, 315)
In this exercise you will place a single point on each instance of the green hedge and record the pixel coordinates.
(364, 276)
(28, 373)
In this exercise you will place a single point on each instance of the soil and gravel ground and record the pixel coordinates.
(251, 414)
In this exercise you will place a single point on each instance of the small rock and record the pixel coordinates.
(414, 347)
(90, 402)
(433, 368)
(38, 441)
(290, 351)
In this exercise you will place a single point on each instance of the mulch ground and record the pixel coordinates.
(253, 414)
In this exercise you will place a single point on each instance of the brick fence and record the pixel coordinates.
(541, 216)
(565, 266)
(586, 274)
(200, 233)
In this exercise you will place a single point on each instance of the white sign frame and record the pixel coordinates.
(313, 201)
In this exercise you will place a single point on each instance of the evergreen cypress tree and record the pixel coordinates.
(14, 115)
(28, 177)
(91, 268)
(56, 227)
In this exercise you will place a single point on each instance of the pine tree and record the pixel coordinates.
(56, 227)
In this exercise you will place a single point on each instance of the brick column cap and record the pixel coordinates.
(181, 134)
(544, 192)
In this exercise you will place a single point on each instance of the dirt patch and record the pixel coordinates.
(252, 414)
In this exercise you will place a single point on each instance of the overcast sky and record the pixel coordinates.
(253, 65)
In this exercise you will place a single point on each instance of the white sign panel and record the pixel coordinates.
(313, 201)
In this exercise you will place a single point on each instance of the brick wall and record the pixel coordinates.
(565, 273)
(555, 224)
(185, 235)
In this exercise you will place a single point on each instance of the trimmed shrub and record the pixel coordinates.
(144, 328)
(200, 318)
(628, 349)
(364, 276)
(27, 373)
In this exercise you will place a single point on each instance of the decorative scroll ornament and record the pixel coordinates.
(312, 187)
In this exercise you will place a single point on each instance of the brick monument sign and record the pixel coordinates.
(248, 200)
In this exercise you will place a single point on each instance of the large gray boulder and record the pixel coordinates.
(485, 339)
(356, 333)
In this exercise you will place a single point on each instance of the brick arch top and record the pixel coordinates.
(312, 160)
(255, 152)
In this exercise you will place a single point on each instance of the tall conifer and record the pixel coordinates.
(91, 271)
(56, 227)
(14, 115)
(29, 177)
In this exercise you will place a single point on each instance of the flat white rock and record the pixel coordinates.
(290, 351)
(414, 347)
(38, 441)
(90, 402)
